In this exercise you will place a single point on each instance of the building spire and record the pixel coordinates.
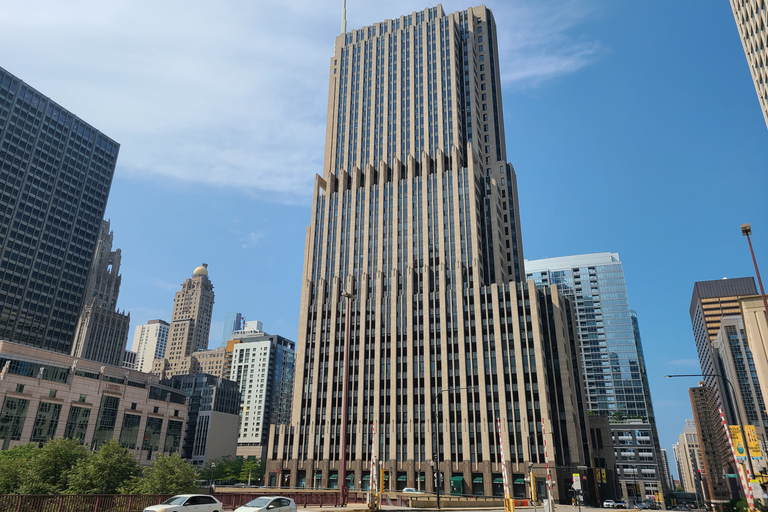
(344, 17)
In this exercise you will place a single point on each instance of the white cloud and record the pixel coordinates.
(233, 93)
(251, 239)
(163, 285)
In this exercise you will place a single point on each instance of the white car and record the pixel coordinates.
(609, 504)
(269, 504)
(411, 490)
(188, 503)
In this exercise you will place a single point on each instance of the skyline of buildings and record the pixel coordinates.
(382, 150)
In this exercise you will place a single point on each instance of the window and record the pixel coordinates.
(19, 388)
(82, 398)
(133, 406)
(52, 393)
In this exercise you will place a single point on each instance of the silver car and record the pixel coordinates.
(188, 503)
(269, 504)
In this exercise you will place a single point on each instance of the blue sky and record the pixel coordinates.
(634, 127)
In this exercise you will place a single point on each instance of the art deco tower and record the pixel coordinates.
(416, 215)
(190, 325)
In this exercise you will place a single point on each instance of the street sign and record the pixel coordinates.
(576, 482)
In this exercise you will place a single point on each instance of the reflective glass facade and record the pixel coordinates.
(55, 175)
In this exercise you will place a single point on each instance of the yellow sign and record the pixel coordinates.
(738, 442)
(753, 442)
(602, 474)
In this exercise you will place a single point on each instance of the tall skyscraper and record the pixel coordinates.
(710, 302)
(150, 342)
(612, 356)
(751, 19)
(416, 216)
(190, 325)
(102, 330)
(55, 175)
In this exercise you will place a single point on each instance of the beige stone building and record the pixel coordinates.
(190, 326)
(416, 216)
(751, 19)
(46, 395)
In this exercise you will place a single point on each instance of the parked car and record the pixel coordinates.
(621, 504)
(188, 503)
(609, 504)
(412, 490)
(269, 504)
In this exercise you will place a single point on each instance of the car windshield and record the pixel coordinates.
(259, 502)
(176, 500)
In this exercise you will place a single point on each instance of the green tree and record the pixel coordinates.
(252, 467)
(618, 417)
(49, 470)
(105, 471)
(13, 466)
(168, 475)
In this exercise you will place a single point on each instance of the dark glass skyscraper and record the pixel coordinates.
(416, 216)
(55, 175)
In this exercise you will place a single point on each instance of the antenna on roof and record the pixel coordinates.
(344, 17)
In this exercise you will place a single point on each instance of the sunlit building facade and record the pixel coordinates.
(416, 217)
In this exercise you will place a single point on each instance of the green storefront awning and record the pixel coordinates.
(518, 481)
(421, 478)
(350, 476)
(457, 479)
(386, 476)
(501, 480)
(319, 476)
(366, 477)
(334, 477)
(402, 478)
(478, 480)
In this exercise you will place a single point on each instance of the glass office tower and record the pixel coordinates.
(416, 219)
(55, 175)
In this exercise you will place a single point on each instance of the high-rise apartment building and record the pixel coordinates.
(751, 19)
(190, 325)
(416, 217)
(102, 330)
(263, 365)
(149, 343)
(613, 364)
(55, 175)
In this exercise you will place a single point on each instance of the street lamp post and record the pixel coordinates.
(345, 391)
(746, 230)
(437, 438)
(213, 467)
(736, 407)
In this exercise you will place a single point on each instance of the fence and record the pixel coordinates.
(137, 502)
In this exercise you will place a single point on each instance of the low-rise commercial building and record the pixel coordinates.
(46, 395)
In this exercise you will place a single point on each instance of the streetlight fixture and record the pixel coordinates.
(437, 438)
(213, 467)
(345, 391)
(735, 404)
(746, 230)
